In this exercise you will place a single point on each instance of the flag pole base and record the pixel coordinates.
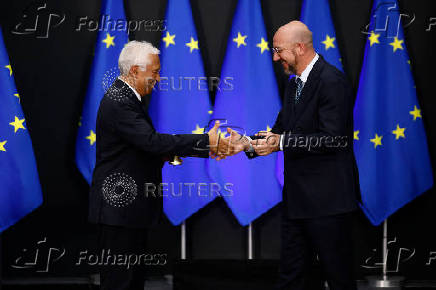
(376, 282)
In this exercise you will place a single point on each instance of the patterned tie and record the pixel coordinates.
(299, 83)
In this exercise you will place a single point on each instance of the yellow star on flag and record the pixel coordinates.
(18, 124)
(263, 45)
(328, 42)
(396, 44)
(240, 40)
(18, 96)
(198, 130)
(2, 146)
(399, 132)
(373, 38)
(169, 39)
(92, 138)
(9, 68)
(109, 40)
(416, 113)
(356, 135)
(210, 112)
(192, 45)
(377, 140)
(268, 128)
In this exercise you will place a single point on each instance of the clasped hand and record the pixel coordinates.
(221, 147)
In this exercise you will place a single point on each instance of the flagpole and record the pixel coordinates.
(385, 281)
(250, 242)
(1, 262)
(385, 249)
(183, 241)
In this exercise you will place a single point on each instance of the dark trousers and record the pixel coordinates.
(122, 241)
(328, 238)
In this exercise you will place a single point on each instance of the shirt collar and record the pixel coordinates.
(305, 74)
(136, 93)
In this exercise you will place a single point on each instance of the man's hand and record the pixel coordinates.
(214, 139)
(271, 143)
(232, 145)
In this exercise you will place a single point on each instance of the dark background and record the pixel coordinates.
(52, 75)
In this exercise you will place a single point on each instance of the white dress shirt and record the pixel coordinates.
(136, 93)
(303, 77)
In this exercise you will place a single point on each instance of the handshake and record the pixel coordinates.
(263, 143)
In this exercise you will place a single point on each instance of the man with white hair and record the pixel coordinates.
(126, 197)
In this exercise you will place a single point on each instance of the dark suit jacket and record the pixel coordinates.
(321, 176)
(129, 161)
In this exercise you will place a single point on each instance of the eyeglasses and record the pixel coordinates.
(278, 50)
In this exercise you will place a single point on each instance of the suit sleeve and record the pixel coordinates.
(134, 129)
(276, 129)
(333, 117)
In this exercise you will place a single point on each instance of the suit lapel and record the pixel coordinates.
(131, 94)
(144, 106)
(289, 104)
(308, 89)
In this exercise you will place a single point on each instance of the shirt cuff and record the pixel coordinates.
(282, 139)
(251, 149)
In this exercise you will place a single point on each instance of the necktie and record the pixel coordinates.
(299, 83)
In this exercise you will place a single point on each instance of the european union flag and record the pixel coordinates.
(180, 105)
(389, 137)
(111, 38)
(316, 15)
(253, 104)
(19, 181)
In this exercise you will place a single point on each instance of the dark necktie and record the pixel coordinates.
(298, 90)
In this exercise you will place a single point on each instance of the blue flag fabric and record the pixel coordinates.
(19, 181)
(111, 38)
(252, 104)
(316, 15)
(389, 138)
(180, 104)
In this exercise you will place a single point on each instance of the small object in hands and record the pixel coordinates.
(176, 161)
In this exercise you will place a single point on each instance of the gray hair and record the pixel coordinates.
(135, 53)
